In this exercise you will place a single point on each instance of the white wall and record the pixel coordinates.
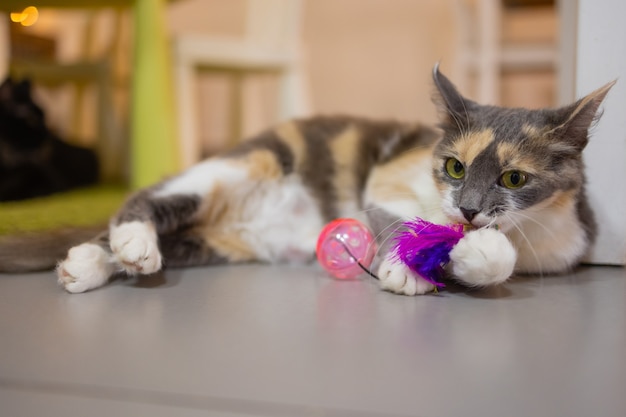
(600, 58)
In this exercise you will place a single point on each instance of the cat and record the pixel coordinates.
(514, 176)
(33, 160)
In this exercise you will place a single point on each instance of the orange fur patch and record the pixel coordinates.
(531, 131)
(224, 208)
(469, 146)
(563, 201)
(343, 149)
(391, 180)
(262, 164)
(293, 138)
(511, 158)
(231, 247)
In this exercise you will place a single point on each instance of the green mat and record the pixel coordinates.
(80, 207)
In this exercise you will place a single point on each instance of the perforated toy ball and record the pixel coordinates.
(345, 248)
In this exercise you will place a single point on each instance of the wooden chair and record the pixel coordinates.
(483, 55)
(270, 44)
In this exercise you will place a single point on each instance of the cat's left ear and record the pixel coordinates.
(6, 89)
(453, 107)
(23, 90)
(574, 121)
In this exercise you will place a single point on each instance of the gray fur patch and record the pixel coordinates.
(185, 248)
(318, 168)
(167, 213)
(271, 141)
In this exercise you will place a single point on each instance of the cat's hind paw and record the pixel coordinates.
(483, 257)
(86, 267)
(396, 277)
(135, 247)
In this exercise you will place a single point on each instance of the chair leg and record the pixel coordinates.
(187, 113)
(236, 109)
(489, 19)
(110, 136)
(293, 95)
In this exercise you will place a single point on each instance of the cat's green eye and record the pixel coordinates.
(513, 179)
(455, 168)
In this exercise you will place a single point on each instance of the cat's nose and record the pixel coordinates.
(469, 214)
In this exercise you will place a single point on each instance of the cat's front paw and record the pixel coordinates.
(483, 257)
(86, 267)
(396, 277)
(135, 247)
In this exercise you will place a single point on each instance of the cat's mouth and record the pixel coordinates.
(468, 227)
(480, 221)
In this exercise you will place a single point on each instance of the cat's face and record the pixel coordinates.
(495, 166)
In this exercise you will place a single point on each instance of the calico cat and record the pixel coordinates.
(514, 175)
(33, 160)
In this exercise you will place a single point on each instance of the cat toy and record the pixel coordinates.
(425, 247)
(346, 248)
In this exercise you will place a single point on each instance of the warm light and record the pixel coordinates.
(27, 17)
(17, 17)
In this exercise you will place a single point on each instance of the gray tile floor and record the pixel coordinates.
(290, 341)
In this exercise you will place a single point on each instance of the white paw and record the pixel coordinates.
(135, 247)
(483, 257)
(396, 277)
(87, 266)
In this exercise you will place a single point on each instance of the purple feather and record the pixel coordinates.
(425, 247)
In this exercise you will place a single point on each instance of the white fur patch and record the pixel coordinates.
(277, 219)
(483, 257)
(87, 266)
(201, 179)
(396, 277)
(280, 220)
(135, 247)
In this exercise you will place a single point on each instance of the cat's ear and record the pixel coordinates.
(23, 90)
(574, 121)
(6, 90)
(453, 107)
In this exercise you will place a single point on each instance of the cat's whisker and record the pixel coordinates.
(397, 224)
(379, 245)
(537, 222)
(530, 246)
(492, 222)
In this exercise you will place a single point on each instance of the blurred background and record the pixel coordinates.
(364, 57)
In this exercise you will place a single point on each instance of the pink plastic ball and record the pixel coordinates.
(342, 244)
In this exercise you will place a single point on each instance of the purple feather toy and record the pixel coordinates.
(425, 247)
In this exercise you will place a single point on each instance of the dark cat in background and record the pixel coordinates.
(34, 161)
